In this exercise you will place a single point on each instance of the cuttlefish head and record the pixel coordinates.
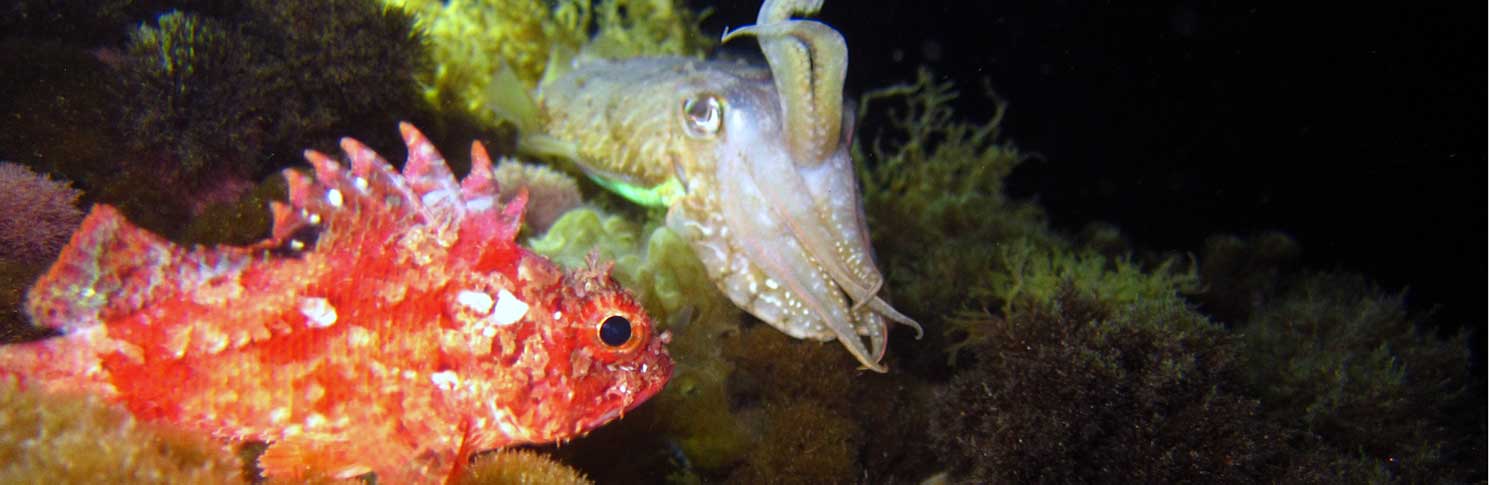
(754, 166)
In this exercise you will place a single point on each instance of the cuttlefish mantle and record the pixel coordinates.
(753, 166)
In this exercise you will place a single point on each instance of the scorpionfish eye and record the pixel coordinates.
(615, 331)
(703, 116)
(618, 329)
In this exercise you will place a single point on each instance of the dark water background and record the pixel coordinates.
(1359, 131)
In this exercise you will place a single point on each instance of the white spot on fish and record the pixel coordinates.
(358, 336)
(334, 198)
(509, 309)
(296, 245)
(558, 316)
(479, 204)
(477, 301)
(360, 183)
(446, 380)
(318, 312)
(314, 219)
(435, 197)
(315, 420)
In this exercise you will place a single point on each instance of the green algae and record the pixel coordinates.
(268, 77)
(1342, 360)
(471, 40)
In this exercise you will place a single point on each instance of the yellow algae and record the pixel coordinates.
(48, 438)
(472, 41)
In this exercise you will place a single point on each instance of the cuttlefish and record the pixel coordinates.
(753, 165)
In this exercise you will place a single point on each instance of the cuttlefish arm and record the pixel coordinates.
(809, 61)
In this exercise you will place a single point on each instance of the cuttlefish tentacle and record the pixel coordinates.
(809, 62)
(786, 259)
(773, 11)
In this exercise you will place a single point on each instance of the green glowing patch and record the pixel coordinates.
(660, 195)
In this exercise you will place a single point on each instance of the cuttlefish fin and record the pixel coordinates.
(511, 101)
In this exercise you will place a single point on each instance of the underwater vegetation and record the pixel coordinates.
(1241, 274)
(937, 181)
(1337, 357)
(1079, 388)
(550, 193)
(1073, 360)
(487, 50)
(48, 438)
(1048, 357)
(231, 93)
(40, 213)
(660, 269)
(166, 108)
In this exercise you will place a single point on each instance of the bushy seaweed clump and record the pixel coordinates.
(266, 80)
(814, 417)
(39, 213)
(1370, 389)
(933, 195)
(1094, 371)
(1241, 274)
(527, 41)
(1072, 363)
(69, 439)
(1025, 271)
(524, 467)
(185, 87)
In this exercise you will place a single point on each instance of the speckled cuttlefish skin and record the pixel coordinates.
(753, 164)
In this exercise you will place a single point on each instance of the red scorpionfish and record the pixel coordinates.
(391, 325)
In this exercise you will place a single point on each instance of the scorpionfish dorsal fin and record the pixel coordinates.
(90, 277)
(425, 190)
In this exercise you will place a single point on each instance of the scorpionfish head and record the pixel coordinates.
(619, 358)
(592, 355)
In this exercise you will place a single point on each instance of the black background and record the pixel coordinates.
(1359, 131)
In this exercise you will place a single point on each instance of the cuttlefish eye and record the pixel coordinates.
(703, 116)
(615, 331)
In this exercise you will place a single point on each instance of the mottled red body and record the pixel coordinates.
(390, 324)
